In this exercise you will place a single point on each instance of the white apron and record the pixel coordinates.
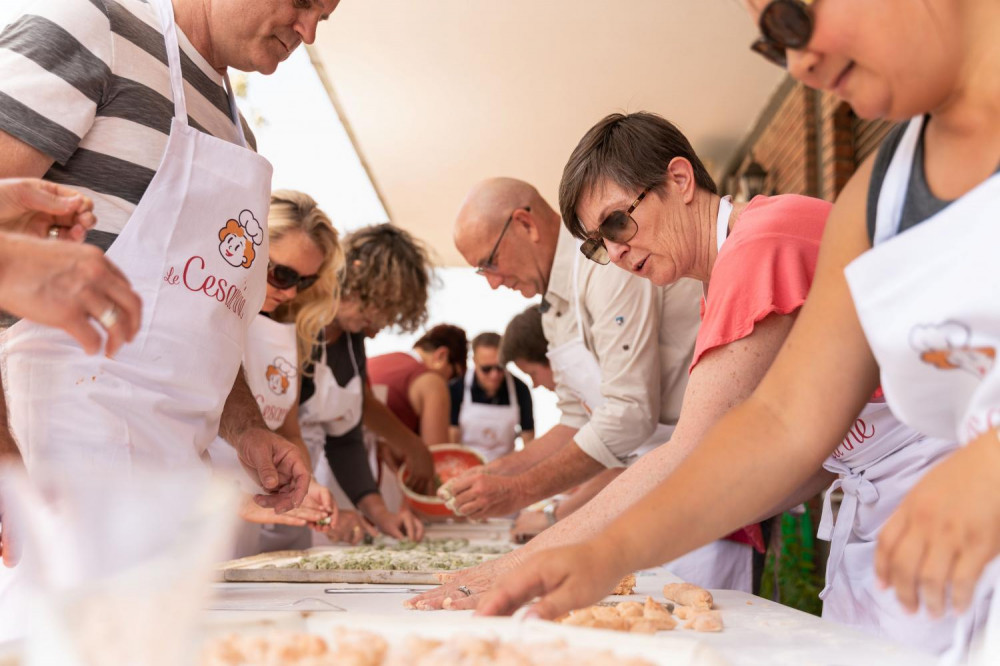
(270, 364)
(879, 461)
(489, 429)
(719, 565)
(195, 250)
(927, 302)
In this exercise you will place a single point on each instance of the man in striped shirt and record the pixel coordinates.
(85, 101)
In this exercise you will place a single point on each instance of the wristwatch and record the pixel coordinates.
(550, 512)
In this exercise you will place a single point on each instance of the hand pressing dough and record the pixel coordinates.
(687, 594)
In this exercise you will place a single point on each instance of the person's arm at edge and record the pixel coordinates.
(401, 440)
(431, 400)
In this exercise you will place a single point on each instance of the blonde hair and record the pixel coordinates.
(314, 308)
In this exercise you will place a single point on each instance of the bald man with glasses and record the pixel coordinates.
(619, 348)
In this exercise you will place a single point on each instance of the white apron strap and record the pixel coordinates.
(165, 9)
(893, 192)
(722, 222)
(467, 393)
(512, 391)
(856, 489)
(350, 352)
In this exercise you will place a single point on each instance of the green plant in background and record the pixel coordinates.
(791, 565)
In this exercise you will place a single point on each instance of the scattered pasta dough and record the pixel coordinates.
(625, 586)
(687, 594)
(631, 616)
(362, 648)
(705, 621)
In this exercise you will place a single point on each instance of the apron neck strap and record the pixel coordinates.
(350, 352)
(889, 209)
(722, 222)
(165, 9)
(577, 302)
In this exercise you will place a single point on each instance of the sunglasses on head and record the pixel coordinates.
(784, 24)
(286, 277)
(487, 369)
(617, 227)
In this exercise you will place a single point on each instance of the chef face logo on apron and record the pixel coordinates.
(238, 240)
(279, 375)
(947, 346)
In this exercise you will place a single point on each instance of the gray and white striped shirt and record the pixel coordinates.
(86, 82)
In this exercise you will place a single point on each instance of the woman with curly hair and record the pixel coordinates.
(385, 282)
(303, 289)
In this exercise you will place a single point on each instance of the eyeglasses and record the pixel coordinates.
(487, 369)
(617, 227)
(286, 277)
(489, 266)
(784, 24)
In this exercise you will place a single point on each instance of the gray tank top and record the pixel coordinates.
(919, 203)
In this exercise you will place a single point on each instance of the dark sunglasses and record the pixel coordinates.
(487, 369)
(285, 277)
(617, 227)
(784, 24)
(489, 266)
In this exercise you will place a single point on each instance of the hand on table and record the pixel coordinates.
(478, 580)
(945, 531)
(350, 527)
(34, 206)
(69, 286)
(563, 578)
(480, 495)
(277, 465)
(402, 525)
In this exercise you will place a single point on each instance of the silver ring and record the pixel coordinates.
(54, 231)
(109, 317)
(464, 590)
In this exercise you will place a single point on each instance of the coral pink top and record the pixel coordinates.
(765, 267)
(396, 371)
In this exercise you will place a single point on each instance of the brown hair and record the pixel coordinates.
(452, 337)
(489, 339)
(524, 340)
(387, 269)
(631, 151)
(312, 309)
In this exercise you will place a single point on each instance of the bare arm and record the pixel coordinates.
(401, 440)
(21, 160)
(431, 400)
(541, 448)
(279, 466)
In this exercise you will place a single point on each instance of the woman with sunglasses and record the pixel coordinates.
(385, 282)
(904, 296)
(301, 299)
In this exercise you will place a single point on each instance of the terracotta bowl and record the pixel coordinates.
(450, 460)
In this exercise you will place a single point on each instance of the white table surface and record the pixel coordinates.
(757, 631)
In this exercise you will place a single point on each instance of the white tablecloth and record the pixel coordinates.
(757, 631)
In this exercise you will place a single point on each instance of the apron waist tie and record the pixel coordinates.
(856, 488)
